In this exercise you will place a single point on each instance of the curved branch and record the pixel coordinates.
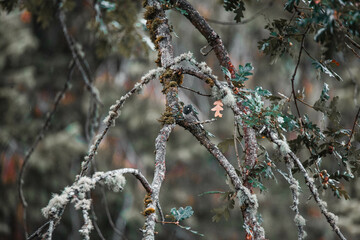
(93, 91)
(38, 138)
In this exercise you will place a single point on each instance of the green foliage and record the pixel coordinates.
(325, 68)
(330, 21)
(182, 213)
(289, 6)
(117, 28)
(282, 35)
(237, 7)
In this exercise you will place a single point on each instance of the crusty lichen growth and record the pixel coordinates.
(210, 82)
(153, 25)
(167, 117)
(147, 199)
(149, 13)
(170, 79)
(225, 94)
(148, 211)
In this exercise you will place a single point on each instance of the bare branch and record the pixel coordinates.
(295, 71)
(197, 92)
(93, 91)
(353, 128)
(38, 138)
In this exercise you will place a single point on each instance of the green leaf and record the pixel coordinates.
(325, 93)
(325, 69)
(262, 92)
(235, 6)
(226, 72)
(243, 73)
(182, 213)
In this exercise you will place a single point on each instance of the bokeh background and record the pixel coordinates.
(34, 61)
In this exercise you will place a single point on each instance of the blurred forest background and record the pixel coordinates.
(34, 63)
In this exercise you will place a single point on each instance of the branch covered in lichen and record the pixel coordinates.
(286, 151)
(295, 192)
(114, 113)
(77, 194)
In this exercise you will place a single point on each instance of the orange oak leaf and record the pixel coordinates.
(218, 107)
(25, 16)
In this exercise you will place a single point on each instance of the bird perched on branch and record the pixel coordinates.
(191, 115)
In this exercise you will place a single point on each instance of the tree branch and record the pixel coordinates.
(285, 150)
(93, 91)
(38, 138)
(353, 128)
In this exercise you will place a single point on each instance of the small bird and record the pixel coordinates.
(191, 115)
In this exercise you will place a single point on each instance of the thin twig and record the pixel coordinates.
(38, 138)
(306, 104)
(295, 70)
(94, 220)
(203, 122)
(93, 91)
(352, 41)
(236, 148)
(353, 128)
(355, 53)
(110, 119)
(108, 214)
(197, 92)
(205, 53)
